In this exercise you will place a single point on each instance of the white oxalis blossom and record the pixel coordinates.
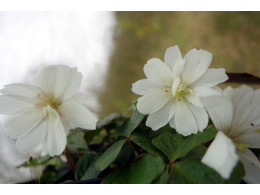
(172, 90)
(237, 114)
(42, 113)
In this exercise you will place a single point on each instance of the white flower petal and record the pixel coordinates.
(153, 101)
(211, 78)
(178, 68)
(172, 54)
(78, 115)
(228, 92)
(200, 115)
(56, 137)
(161, 117)
(144, 86)
(185, 122)
(221, 155)
(175, 85)
(157, 70)
(220, 110)
(194, 100)
(205, 91)
(24, 90)
(60, 81)
(172, 122)
(10, 104)
(250, 137)
(242, 101)
(31, 140)
(251, 165)
(197, 63)
(22, 122)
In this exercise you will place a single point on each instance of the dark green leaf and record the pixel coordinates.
(143, 171)
(35, 161)
(125, 155)
(196, 153)
(130, 126)
(237, 174)
(76, 141)
(163, 178)
(109, 155)
(175, 146)
(146, 144)
(194, 172)
(85, 168)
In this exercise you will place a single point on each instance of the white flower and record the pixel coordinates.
(237, 114)
(172, 90)
(41, 114)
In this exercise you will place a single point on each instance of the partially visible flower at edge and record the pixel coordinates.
(171, 93)
(237, 114)
(42, 113)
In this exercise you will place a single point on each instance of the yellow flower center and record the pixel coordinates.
(242, 146)
(48, 100)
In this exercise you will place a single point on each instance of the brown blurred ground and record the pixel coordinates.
(232, 37)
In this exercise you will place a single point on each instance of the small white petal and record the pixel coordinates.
(197, 63)
(22, 122)
(211, 78)
(157, 70)
(144, 86)
(172, 54)
(10, 104)
(178, 68)
(185, 122)
(78, 115)
(175, 85)
(200, 115)
(31, 140)
(250, 137)
(56, 137)
(60, 81)
(220, 110)
(251, 165)
(152, 102)
(24, 90)
(161, 117)
(221, 155)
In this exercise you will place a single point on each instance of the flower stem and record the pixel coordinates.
(69, 160)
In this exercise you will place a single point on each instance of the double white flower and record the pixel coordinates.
(172, 90)
(42, 114)
(236, 114)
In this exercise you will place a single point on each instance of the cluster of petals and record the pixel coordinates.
(236, 115)
(172, 90)
(41, 114)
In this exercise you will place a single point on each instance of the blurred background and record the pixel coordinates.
(110, 49)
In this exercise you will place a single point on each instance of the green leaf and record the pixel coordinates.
(175, 146)
(143, 171)
(76, 141)
(109, 155)
(146, 144)
(130, 126)
(193, 172)
(125, 155)
(196, 153)
(85, 168)
(35, 161)
(163, 178)
(237, 174)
